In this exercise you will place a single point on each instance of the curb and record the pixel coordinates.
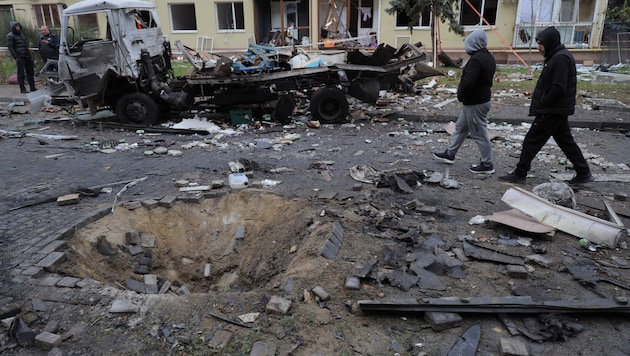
(575, 123)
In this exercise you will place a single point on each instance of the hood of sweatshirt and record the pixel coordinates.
(475, 41)
(13, 24)
(550, 38)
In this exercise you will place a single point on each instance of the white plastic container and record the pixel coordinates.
(238, 180)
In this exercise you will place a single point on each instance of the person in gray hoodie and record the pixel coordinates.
(474, 91)
(18, 47)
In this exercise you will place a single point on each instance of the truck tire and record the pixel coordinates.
(329, 105)
(137, 108)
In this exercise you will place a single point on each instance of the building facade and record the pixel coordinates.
(231, 25)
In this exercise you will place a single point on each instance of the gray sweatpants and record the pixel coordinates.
(473, 119)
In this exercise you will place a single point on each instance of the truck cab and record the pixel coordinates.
(113, 54)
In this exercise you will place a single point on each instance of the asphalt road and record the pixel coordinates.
(56, 155)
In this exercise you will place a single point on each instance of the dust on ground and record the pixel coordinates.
(250, 240)
(284, 233)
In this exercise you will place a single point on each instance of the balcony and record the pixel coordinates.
(573, 35)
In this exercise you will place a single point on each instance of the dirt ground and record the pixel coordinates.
(262, 242)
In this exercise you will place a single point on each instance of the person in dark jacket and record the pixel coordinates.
(552, 103)
(474, 93)
(18, 46)
(48, 44)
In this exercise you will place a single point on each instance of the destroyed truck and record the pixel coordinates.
(114, 55)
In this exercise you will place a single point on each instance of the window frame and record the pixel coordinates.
(575, 34)
(482, 10)
(45, 12)
(194, 10)
(418, 26)
(235, 16)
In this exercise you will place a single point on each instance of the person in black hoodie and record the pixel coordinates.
(474, 93)
(552, 103)
(18, 46)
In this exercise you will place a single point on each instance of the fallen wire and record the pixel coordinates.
(90, 191)
(130, 184)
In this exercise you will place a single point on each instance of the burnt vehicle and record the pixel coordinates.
(113, 54)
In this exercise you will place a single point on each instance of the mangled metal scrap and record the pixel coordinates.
(467, 343)
(507, 304)
(381, 68)
(573, 222)
(520, 221)
(486, 254)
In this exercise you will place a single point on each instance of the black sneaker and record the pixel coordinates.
(513, 178)
(24, 91)
(482, 168)
(33, 89)
(444, 157)
(581, 179)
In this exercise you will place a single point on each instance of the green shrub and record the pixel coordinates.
(7, 67)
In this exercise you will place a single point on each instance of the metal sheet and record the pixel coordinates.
(573, 222)
(518, 220)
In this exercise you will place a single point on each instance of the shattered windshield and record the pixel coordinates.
(143, 19)
(87, 27)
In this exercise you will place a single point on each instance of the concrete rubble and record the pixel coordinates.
(417, 258)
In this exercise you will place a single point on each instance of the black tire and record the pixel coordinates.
(329, 105)
(137, 108)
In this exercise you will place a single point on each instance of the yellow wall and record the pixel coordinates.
(238, 40)
(450, 41)
(207, 25)
(23, 10)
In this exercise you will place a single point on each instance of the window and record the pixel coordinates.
(402, 20)
(86, 26)
(537, 11)
(531, 11)
(183, 17)
(469, 17)
(143, 19)
(230, 16)
(574, 19)
(365, 13)
(6, 15)
(47, 14)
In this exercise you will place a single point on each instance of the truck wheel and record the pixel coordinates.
(137, 108)
(329, 105)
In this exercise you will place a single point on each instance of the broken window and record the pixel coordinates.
(86, 27)
(403, 20)
(366, 13)
(332, 18)
(574, 19)
(143, 19)
(487, 8)
(230, 16)
(47, 14)
(183, 17)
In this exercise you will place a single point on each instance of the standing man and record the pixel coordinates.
(48, 44)
(474, 93)
(18, 46)
(552, 103)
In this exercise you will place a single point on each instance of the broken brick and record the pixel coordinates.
(442, 321)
